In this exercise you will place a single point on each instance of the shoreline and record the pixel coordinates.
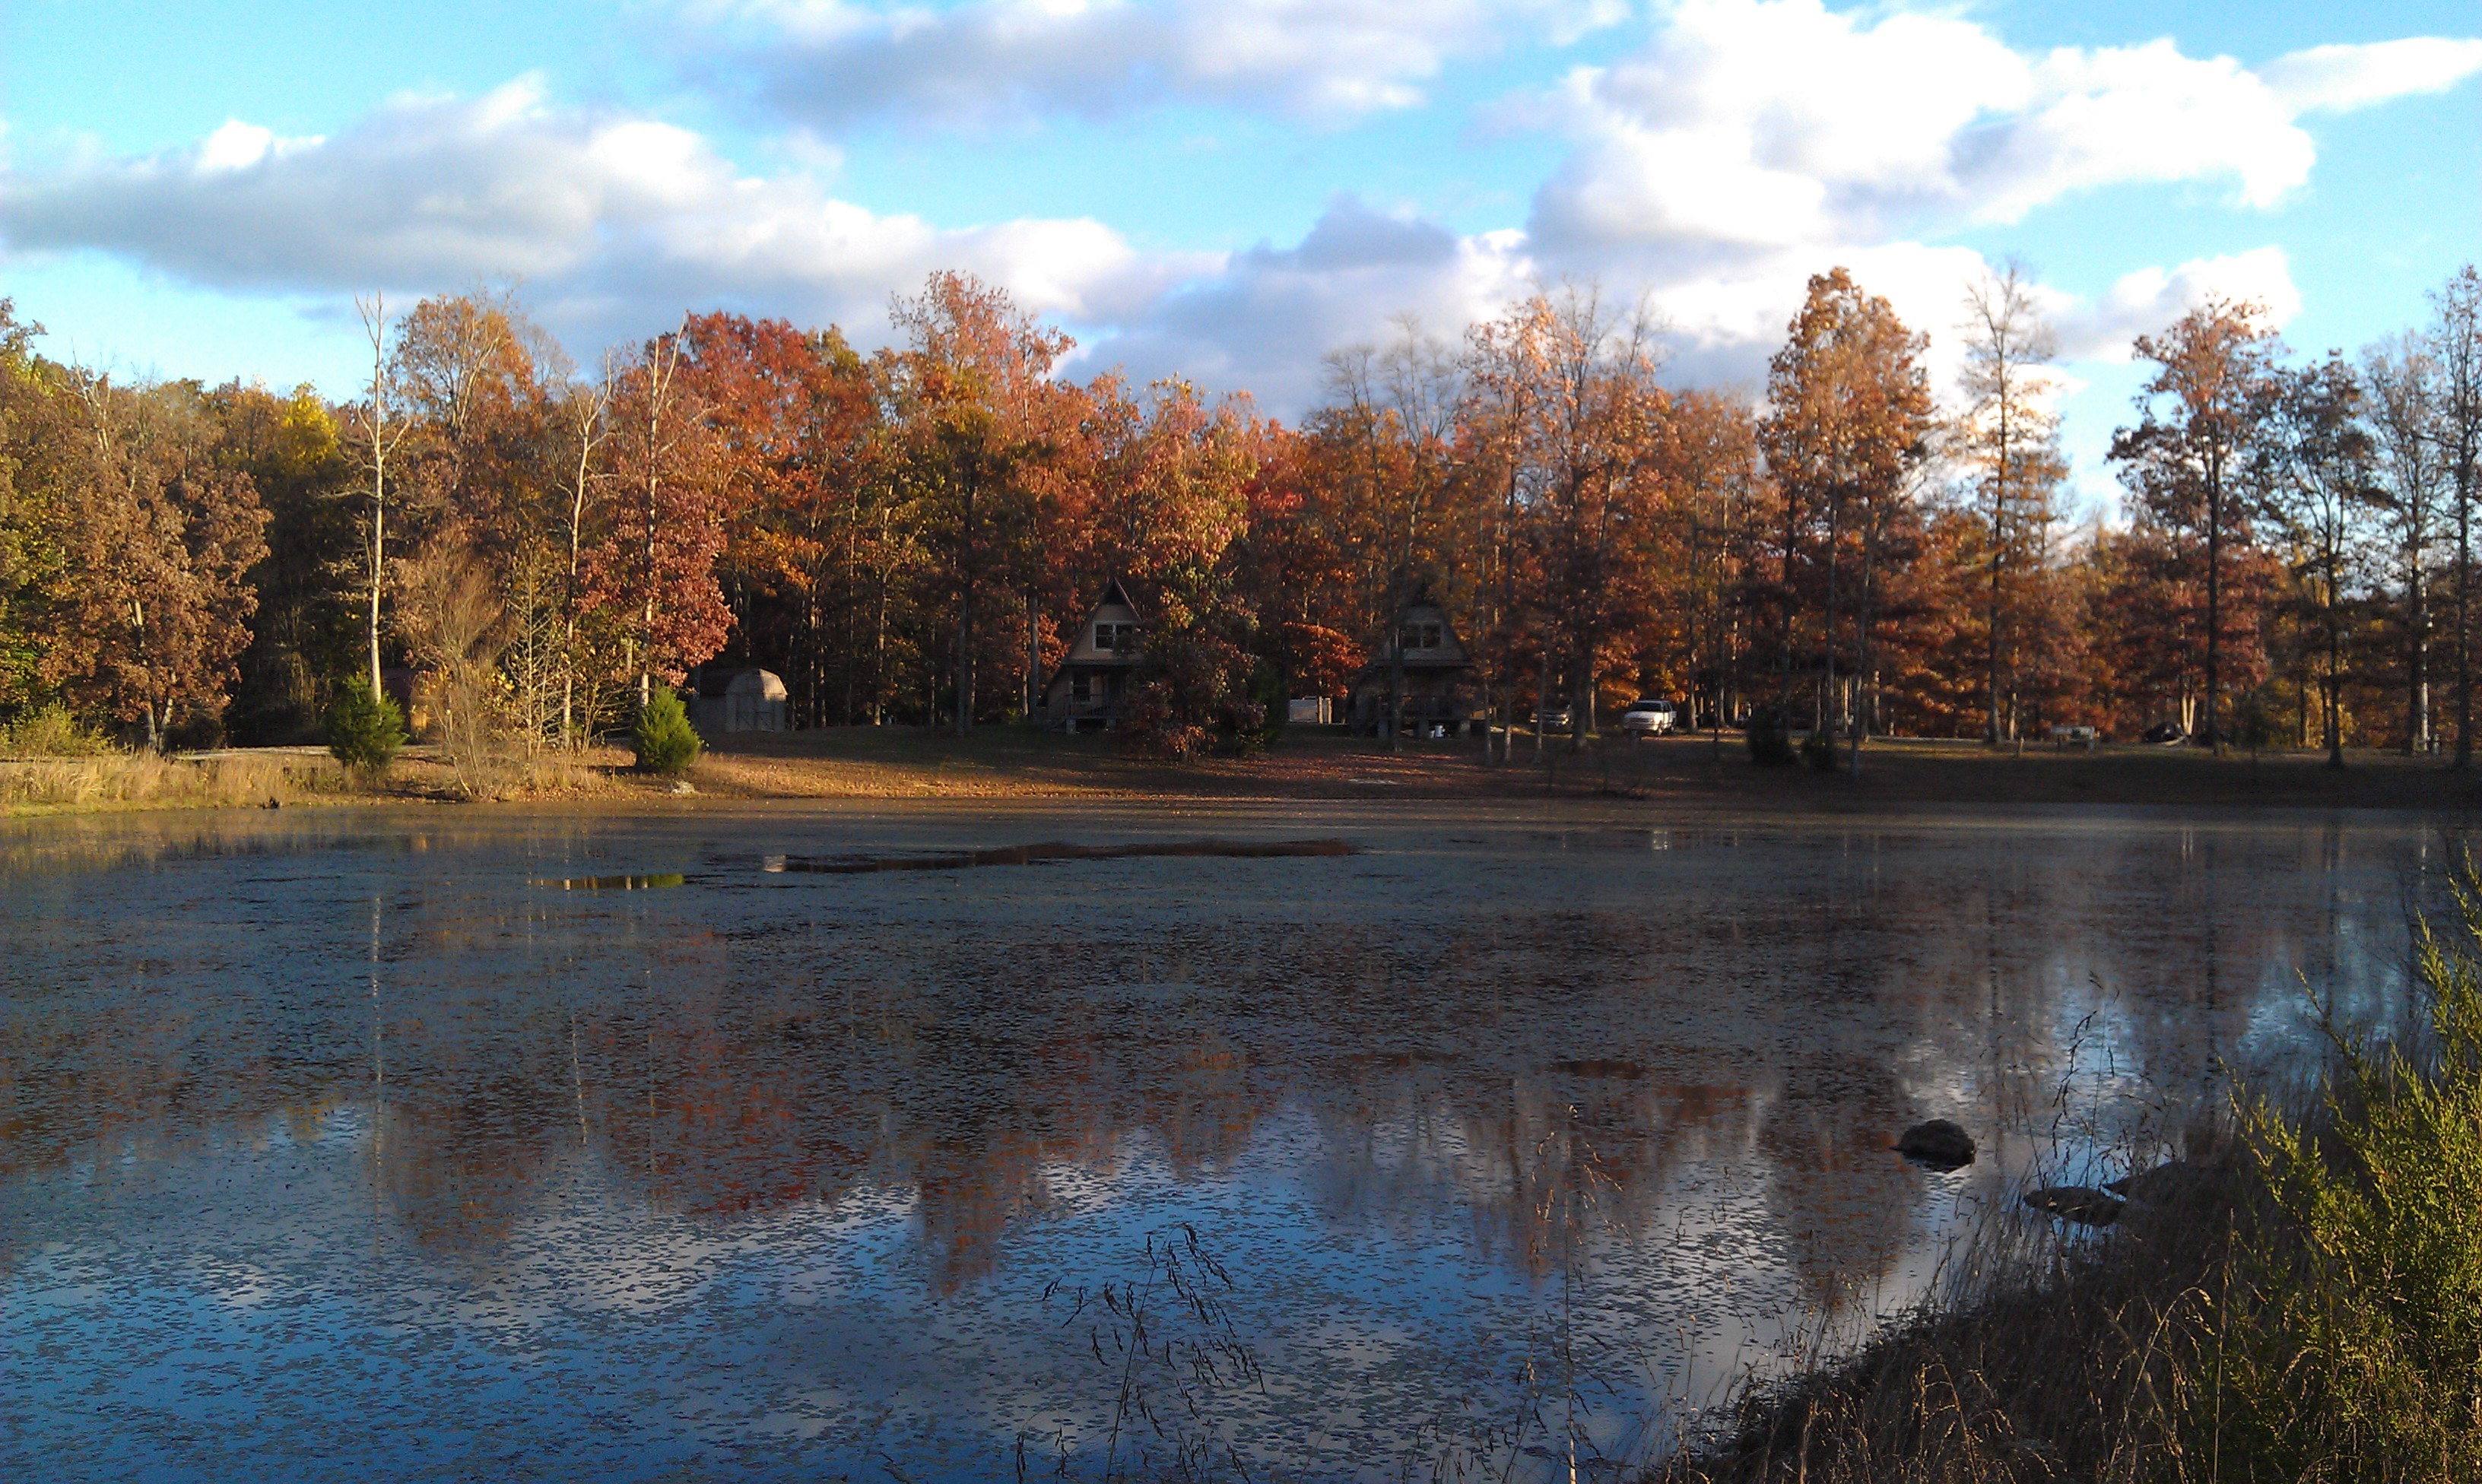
(996, 764)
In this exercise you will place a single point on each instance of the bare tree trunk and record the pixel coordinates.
(373, 314)
(2464, 622)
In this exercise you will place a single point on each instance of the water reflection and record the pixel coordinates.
(768, 1175)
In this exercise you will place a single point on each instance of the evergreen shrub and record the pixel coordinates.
(365, 727)
(1770, 740)
(664, 740)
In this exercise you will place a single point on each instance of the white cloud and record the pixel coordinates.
(1262, 319)
(2149, 298)
(1748, 144)
(830, 62)
(1759, 124)
(2121, 115)
(613, 222)
(2335, 79)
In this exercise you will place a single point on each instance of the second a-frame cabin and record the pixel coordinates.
(1084, 694)
(1437, 698)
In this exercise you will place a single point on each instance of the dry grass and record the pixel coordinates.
(2299, 1303)
(293, 776)
(2049, 1359)
(145, 780)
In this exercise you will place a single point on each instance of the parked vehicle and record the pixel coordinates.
(2166, 734)
(1649, 717)
(1552, 718)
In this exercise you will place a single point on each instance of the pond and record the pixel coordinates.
(1415, 1139)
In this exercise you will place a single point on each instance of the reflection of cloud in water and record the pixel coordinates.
(785, 1157)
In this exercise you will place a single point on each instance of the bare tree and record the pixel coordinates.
(583, 419)
(379, 441)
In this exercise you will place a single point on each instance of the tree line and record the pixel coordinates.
(912, 536)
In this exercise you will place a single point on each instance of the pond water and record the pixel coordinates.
(473, 1144)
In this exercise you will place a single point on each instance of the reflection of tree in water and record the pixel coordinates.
(1843, 1201)
(1484, 1050)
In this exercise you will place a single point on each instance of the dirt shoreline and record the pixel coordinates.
(1004, 763)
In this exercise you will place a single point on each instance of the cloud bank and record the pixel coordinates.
(1740, 147)
(830, 64)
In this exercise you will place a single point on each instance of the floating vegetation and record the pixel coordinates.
(1049, 850)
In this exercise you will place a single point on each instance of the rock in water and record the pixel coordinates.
(2161, 1185)
(1939, 1143)
(2080, 1203)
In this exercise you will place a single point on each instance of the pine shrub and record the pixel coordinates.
(365, 727)
(663, 740)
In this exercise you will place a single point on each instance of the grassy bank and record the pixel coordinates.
(284, 777)
(2299, 1299)
(1016, 762)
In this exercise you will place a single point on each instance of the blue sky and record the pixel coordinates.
(1225, 189)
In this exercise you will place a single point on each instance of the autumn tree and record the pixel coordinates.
(2456, 349)
(304, 634)
(152, 606)
(1172, 500)
(2412, 490)
(1293, 568)
(2185, 461)
(1845, 432)
(2007, 438)
(798, 423)
(2314, 471)
(971, 398)
(35, 439)
(1709, 457)
(653, 567)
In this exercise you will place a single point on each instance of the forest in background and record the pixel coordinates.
(911, 536)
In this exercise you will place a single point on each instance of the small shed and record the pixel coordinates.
(739, 700)
(1438, 690)
(1085, 692)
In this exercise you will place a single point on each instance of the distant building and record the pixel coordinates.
(416, 690)
(1085, 692)
(748, 701)
(1439, 692)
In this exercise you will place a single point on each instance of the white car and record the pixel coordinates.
(1649, 717)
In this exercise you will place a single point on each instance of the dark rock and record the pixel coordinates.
(2080, 1203)
(1939, 1143)
(2158, 1187)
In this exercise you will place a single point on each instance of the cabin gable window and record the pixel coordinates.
(1114, 639)
(1420, 635)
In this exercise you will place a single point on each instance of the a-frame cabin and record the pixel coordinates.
(1085, 692)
